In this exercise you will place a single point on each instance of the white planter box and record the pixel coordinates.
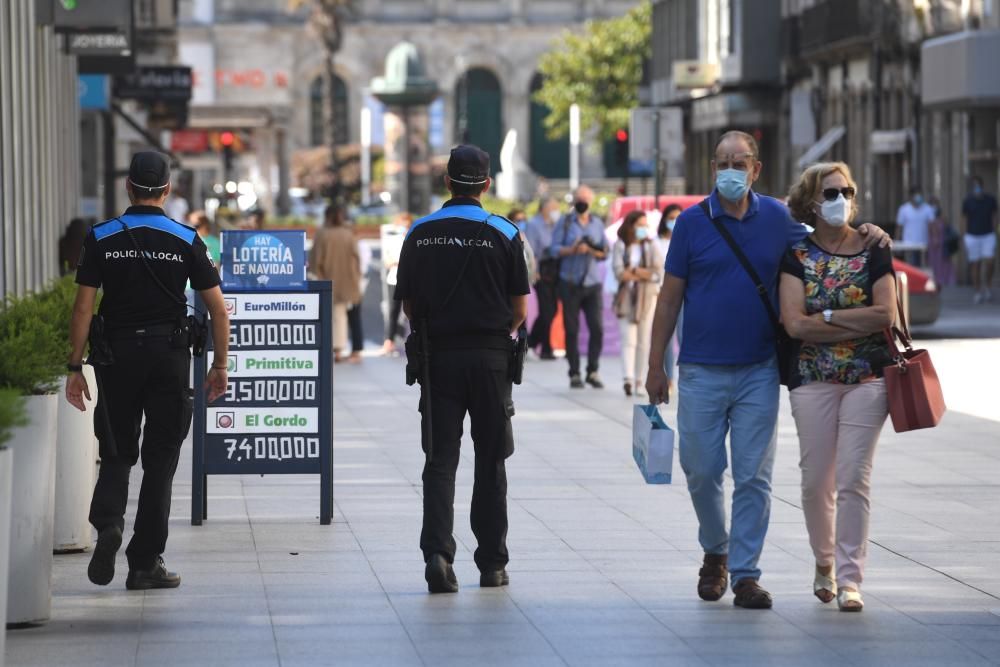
(6, 465)
(76, 454)
(29, 580)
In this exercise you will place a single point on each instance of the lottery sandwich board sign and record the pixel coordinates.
(275, 417)
(263, 260)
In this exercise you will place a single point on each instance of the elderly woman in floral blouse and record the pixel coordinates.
(837, 297)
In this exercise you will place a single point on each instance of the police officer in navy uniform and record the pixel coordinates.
(463, 281)
(148, 365)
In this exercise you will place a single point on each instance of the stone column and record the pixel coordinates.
(407, 157)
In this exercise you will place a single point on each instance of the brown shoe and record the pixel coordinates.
(750, 595)
(713, 577)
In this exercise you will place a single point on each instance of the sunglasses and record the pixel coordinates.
(830, 194)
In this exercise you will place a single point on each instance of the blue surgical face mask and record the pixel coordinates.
(918, 199)
(731, 184)
(977, 189)
(670, 223)
(641, 233)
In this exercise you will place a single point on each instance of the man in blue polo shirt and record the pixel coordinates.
(728, 370)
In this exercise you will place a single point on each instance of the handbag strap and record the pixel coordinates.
(900, 333)
(747, 266)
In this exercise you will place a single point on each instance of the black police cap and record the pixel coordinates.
(149, 171)
(469, 165)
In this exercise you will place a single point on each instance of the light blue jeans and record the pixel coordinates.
(741, 401)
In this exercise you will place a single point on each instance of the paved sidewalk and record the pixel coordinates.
(603, 566)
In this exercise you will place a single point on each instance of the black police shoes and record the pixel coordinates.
(155, 577)
(102, 563)
(494, 579)
(575, 382)
(594, 380)
(440, 575)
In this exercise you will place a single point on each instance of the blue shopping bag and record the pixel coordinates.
(652, 445)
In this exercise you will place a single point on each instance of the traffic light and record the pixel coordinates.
(226, 140)
(621, 147)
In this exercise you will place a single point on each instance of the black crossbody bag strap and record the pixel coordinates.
(465, 265)
(152, 274)
(747, 266)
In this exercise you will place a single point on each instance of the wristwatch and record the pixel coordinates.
(74, 368)
(828, 315)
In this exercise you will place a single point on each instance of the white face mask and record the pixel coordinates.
(554, 215)
(836, 212)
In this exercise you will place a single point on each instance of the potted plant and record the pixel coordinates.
(76, 445)
(11, 416)
(32, 362)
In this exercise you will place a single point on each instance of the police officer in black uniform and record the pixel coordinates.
(464, 284)
(142, 358)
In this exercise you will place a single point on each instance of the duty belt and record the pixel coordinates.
(471, 342)
(142, 331)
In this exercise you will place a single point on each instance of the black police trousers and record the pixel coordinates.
(149, 376)
(473, 381)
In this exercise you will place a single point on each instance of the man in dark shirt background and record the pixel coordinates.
(980, 211)
(143, 261)
(463, 282)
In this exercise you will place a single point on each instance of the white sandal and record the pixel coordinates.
(850, 600)
(821, 583)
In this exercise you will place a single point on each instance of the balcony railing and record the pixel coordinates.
(790, 37)
(833, 23)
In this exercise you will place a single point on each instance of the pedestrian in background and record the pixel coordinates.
(942, 243)
(142, 261)
(335, 256)
(837, 298)
(464, 287)
(980, 211)
(913, 222)
(199, 220)
(664, 231)
(393, 327)
(176, 207)
(354, 313)
(638, 267)
(539, 231)
(71, 243)
(580, 246)
(520, 220)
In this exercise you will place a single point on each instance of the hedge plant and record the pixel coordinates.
(11, 413)
(34, 339)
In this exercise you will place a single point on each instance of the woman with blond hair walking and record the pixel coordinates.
(837, 297)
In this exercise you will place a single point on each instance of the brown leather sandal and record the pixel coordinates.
(750, 595)
(713, 577)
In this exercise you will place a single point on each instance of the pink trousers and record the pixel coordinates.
(838, 427)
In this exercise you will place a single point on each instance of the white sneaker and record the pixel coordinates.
(978, 298)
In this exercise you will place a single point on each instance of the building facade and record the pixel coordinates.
(39, 152)
(715, 60)
(258, 68)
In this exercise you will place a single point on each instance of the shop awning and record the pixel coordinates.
(821, 147)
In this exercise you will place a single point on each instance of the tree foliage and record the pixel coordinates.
(599, 69)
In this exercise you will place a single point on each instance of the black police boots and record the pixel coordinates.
(155, 577)
(440, 575)
(102, 563)
(494, 579)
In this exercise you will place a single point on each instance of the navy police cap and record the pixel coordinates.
(149, 170)
(469, 165)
